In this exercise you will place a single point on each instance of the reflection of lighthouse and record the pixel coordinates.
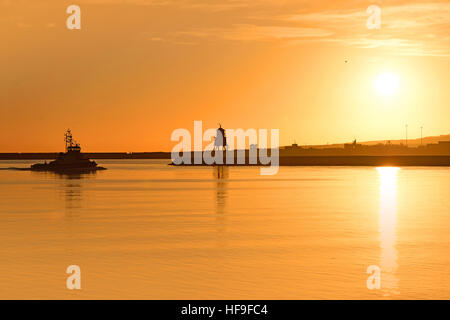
(220, 140)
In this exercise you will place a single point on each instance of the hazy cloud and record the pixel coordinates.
(415, 29)
(419, 27)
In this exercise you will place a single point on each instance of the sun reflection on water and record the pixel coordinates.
(387, 229)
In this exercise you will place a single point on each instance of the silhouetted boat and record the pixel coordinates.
(72, 161)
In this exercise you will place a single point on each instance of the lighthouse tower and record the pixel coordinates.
(220, 139)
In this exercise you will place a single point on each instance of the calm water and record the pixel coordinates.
(143, 229)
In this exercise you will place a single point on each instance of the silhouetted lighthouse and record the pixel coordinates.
(221, 139)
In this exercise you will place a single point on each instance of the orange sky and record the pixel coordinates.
(138, 69)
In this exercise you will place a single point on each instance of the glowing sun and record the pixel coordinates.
(386, 84)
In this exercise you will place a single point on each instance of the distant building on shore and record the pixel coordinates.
(293, 148)
(352, 146)
(440, 147)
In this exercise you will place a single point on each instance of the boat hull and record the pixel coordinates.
(65, 169)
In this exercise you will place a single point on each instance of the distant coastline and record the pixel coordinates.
(284, 160)
(435, 153)
(348, 150)
(90, 155)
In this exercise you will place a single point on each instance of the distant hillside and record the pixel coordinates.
(411, 142)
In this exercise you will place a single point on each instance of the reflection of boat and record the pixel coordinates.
(72, 161)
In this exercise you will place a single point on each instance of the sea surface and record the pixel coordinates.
(147, 230)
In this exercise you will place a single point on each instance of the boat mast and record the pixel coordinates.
(68, 139)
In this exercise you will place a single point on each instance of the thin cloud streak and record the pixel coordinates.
(249, 32)
(416, 29)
